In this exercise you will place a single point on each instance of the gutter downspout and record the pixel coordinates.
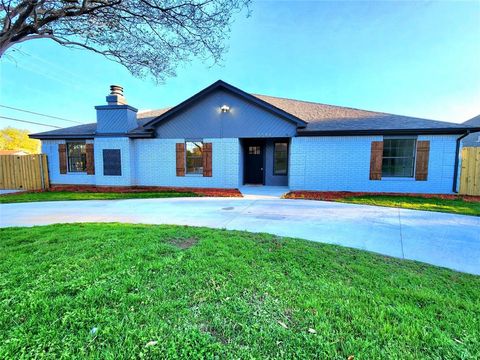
(455, 169)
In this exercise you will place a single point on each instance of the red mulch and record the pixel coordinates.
(334, 195)
(210, 192)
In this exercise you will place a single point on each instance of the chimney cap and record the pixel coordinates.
(116, 96)
(116, 90)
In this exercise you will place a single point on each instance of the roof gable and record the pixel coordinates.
(204, 119)
(221, 85)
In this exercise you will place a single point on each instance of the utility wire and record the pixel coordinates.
(29, 122)
(35, 113)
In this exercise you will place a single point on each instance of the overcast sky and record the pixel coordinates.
(411, 58)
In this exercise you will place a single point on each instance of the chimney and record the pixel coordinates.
(117, 117)
(116, 96)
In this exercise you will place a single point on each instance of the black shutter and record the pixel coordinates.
(112, 162)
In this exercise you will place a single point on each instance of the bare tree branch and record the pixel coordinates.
(148, 37)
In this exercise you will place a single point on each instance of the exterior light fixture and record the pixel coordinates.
(225, 108)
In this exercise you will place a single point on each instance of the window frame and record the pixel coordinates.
(82, 157)
(257, 150)
(200, 173)
(275, 173)
(413, 157)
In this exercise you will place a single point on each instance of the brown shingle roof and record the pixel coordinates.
(319, 119)
(311, 111)
(322, 117)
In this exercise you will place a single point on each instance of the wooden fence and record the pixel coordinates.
(24, 172)
(470, 173)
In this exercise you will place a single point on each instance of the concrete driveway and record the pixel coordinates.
(447, 240)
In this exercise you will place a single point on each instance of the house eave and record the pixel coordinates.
(60, 136)
(91, 136)
(423, 131)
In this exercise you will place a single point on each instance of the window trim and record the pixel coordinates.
(414, 159)
(274, 157)
(67, 144)
(186, 156)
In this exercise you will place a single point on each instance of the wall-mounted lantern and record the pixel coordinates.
(225, 108)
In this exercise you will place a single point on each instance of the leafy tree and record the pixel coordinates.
(17, 139)
(146, 36)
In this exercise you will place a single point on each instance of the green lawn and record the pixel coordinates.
(132, 291)
(457, 206)
(71, 195)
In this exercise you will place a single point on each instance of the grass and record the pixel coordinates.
(140, 291)
(456, 206)
(74, 195)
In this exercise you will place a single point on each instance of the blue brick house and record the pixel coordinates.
(223, 137)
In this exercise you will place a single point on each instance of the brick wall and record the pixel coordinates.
(126, 149)
(150, 162)
(50, 147)
(316, 163)
(155, 164)
(343, 164)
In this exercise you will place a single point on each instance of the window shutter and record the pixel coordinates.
(112, 162)
(180, 149)
(376, 157)
(90, 159)
(207, 159)
(421, 165)
(62, 158)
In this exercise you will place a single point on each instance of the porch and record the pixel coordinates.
(264, 162)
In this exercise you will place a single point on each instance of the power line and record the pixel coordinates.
(29, 122)
(35, 113)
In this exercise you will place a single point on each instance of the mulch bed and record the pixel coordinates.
(335, 195)
(209, 192)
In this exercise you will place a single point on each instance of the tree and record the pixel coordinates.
(146, 36)
(17, 139)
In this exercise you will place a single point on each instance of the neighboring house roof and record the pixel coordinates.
(13, 152)
(472, 139)
(311, 118)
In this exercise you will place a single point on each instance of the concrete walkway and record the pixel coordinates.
(447, 240)
(260, 192)
(2, 192)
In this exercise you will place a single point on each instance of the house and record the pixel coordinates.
(223, 137)
(472, 139)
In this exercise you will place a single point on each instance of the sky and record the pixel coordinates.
(414, 58)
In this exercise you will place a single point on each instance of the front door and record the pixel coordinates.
(254, 163)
